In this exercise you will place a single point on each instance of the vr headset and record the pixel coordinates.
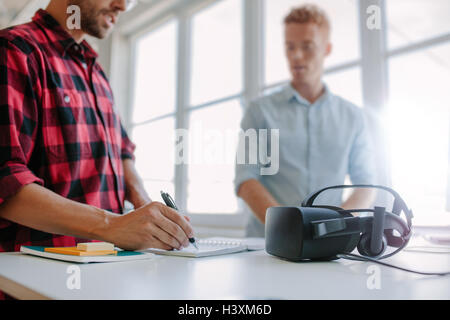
(314, 232)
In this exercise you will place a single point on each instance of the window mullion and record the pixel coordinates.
(253, 55)
(447, 206)
(374, 63)
(182, 102)
(124, 50)
(374, 71)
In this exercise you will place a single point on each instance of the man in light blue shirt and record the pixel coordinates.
(322, 137)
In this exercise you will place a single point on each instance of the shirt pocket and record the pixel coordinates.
(67, 133)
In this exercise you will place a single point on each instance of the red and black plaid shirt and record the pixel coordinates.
(58, 127)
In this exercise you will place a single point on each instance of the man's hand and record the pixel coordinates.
(151, 226)
(257, 198)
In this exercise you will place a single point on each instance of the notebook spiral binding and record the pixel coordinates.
(219, 242)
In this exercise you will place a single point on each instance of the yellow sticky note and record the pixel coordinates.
(95, 246)
(73, 251)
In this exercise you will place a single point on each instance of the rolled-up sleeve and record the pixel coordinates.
(245, 169)
(19, 96)
(361, 162)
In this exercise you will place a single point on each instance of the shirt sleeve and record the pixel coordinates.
(247, 166)
(19, 96)
(128, 147)
(361, 164)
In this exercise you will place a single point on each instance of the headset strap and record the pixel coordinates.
(399, 203)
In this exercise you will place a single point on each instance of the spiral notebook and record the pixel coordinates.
(214, 246)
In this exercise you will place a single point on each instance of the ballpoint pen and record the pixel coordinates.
(171, 203)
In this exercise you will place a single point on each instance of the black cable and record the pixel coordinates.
(351, 256)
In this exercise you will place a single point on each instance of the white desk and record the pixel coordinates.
(247, 275)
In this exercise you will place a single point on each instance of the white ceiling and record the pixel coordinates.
(9, 10)
(13, 5)
(18, 11)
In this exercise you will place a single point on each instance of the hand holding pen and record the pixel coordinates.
(153, 225)
(171, 203)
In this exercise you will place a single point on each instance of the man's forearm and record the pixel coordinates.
(257, 198)
(151, 226)
(39, 208)
(360, 198)
(135, 191)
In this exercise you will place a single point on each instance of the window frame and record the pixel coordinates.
(132, 40)
(184, 109)
(415, 46)
(373, 64)
(183, 16)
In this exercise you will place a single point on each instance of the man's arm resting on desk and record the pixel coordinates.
(257, 198)
(153, 225)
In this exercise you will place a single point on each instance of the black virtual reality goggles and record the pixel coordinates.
(316, 232)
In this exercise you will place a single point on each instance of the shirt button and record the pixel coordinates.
(66, 99)
(84, 65)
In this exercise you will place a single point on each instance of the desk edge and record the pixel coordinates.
(19, 291)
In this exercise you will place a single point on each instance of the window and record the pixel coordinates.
(217, 52)
(215, 110)
(415, 20)
(155, 154)
(199, 54)
(154, 108)
(210, 112)
(211, 171)
(419, 122)
(155, 74)
(419, 114)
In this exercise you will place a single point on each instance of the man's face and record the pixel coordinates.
(98, 17)
(306, 46)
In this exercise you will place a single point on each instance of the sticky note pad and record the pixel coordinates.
(73, 251)
(95, 246)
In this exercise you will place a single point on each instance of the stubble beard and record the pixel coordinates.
(90, 19)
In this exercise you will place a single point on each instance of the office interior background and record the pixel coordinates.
(196, 64)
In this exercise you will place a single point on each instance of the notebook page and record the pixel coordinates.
(206, 247)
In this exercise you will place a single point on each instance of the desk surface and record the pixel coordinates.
(246, 275)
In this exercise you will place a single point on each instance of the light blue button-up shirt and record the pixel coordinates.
(319, 144)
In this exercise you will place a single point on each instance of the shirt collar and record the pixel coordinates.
(60, 37)
(293, 95)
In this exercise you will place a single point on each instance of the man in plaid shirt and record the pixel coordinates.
(66, 163)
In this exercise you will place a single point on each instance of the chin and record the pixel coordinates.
(103, 35)
(299, 79)
(99, 33)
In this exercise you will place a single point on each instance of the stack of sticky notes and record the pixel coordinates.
(86, 249)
